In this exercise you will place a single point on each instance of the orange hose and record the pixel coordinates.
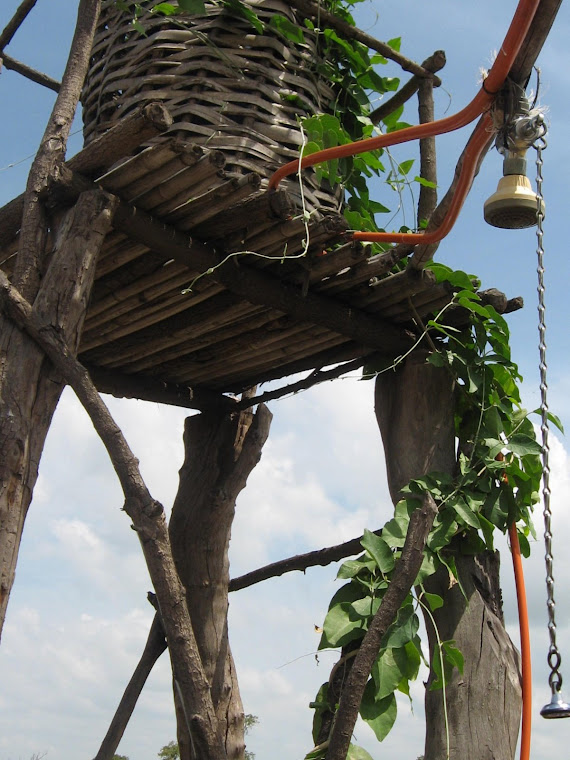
(512, 43)
(525, 644)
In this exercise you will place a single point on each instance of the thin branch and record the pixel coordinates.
(405, 573)
(316, 377)
(15, 22)
(148, 520)
(29, 73)
(427, 200)
(51, 153)
(315, 10)
(434, 63)
(154, 647)
(299, 562)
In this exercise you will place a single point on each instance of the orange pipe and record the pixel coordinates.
(525, 644)
(514, 38)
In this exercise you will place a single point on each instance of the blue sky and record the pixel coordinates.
(78, 616)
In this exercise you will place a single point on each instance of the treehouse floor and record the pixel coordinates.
(210, 284)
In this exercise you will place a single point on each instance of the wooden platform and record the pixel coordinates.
(207, 285)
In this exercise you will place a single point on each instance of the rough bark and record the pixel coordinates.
(29, 386)
(149, 523)
(221, 451)
(30, 263)
(414, 408)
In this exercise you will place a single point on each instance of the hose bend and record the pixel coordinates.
(493, 83)
(525, 643)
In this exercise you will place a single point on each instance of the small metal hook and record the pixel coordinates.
(556, 708)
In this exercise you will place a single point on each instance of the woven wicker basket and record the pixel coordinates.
(225, 85)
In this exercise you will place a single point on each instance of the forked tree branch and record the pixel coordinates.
(434, 63)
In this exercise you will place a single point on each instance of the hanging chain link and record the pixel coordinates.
(554, 659)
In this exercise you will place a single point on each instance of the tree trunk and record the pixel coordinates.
(29, 386)
(220, 452)
(414, 408)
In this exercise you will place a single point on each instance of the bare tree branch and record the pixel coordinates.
(428, 163)
(29, 73)
(155, 646)
(299, 562)
(326, 18)
(434, 63)
(51, 153)
(15, 22)
(316, 377)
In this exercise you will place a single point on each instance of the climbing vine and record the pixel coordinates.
(496, 483)
(352, 73)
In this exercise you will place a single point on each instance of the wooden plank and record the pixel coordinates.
(261, 288)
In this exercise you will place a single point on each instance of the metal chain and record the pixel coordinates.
(554, 659)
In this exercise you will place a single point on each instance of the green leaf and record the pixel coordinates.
(523, 444)
(556, 421)
(452, 658)
(444, 528)
(524, 544)
(242, 10)
(365, 608)
(166, 9)
(139, 27)
(434, 600)
(380, 715)
(425, 182)
(287, 28)
(353, 567)
(395, 43)
(378, 550)
(405, 166)
(320, 704)
(389, 669)
(357, 753)
(341, 626)
(453, 655)
(429, 566)
(198, 7)
(402, 630)
(395, 530)
(468, 517)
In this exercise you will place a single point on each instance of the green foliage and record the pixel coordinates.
(120, 757)
(497, 483)
(170, 751)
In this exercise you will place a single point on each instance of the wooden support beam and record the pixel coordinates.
(149, 389)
